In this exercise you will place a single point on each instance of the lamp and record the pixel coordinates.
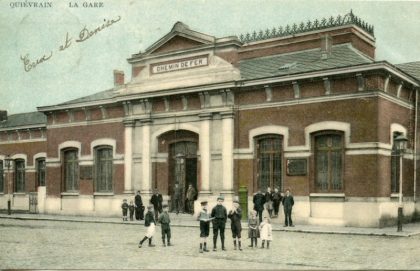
(8, 162)
(400, 144)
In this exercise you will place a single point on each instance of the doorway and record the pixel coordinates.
(183, 170)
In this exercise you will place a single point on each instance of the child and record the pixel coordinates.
(149, 222)
(131, 209)
(235, 216)
(164, 220)
(253, 231)
(266, 232)
(124, 208)
(204, 219)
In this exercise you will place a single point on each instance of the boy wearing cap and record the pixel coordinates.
(219, 214)
(149, 222)
(164, 221)
(204, 219)
(124, 208)
(235, 216)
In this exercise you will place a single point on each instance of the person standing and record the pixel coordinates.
(124, 208)
(288, 203)
(253, 228)
(268, 201)
(259, 200)
(156, 200)
(138, 203)
(150, 224)
(277, 198)
(165, 221)
(204, 219)
(191, 193)
(235, 216)
(131, 210)
(219, 213)
(266, 232)
(177, 198)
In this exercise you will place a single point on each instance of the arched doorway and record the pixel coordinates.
(183, 168)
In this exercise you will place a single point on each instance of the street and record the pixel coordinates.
(27, 244)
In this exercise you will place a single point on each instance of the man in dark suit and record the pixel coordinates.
(139, 206)
(288, 203)
(156, 200)
(259, 200)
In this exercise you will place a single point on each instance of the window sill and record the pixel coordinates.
(19, 194)
(103, 194)
(70, 193)
(327, 195)
(394, 195)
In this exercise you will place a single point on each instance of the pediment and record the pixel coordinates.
(181, 37)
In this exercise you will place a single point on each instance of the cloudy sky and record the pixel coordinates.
(29, 34)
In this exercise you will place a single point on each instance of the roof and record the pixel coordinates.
(24, 119)
(412, 68)
(302, 61)
(102, 95)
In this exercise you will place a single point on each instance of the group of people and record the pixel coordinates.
(270, 201)
(258, 227)
(135, 207)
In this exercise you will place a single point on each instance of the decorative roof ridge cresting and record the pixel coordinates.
(324, 23)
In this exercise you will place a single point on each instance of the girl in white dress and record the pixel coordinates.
(266, 232)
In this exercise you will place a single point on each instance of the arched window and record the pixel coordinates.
(1, 177)
(71, 170)
(269, 161)
(395, 166)
(40, 171)
(103, 169)
(329, 158)
(19, 175)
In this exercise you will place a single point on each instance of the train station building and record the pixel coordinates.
(304, 107)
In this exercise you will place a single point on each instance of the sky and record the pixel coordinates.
(31, 34)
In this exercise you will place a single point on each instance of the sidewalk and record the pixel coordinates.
(185, 220)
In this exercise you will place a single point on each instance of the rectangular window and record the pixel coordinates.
(395, 167)
(329, 163)
(104, 170)
(269, 162)
(1, 177)
(19, 176)
(40, 172)
(71, 169)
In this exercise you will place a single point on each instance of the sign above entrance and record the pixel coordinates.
(179, 64)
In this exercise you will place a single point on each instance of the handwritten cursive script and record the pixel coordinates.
(29, 65)
(84, 35)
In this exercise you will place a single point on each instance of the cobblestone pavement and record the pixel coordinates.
(41, 244)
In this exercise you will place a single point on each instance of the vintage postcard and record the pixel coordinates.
(201, 134)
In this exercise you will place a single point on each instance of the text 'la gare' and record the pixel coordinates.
(86, 4)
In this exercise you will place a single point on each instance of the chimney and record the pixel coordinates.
(326, 46)
(3, 115)
(118, 78)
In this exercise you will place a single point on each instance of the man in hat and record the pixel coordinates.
(164, 221)
(191, 193)
(138, 204)
(156, 200)
(177, 198)
(149, 222)
(219, 214)
(235, 216)
(259, 200)
(204, 219)
(288, 203)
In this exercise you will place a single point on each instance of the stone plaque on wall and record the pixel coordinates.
(85, 172)
(297, 167)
